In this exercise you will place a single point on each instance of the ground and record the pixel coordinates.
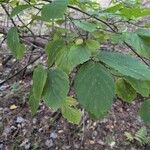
(19, 130)
(48, 130)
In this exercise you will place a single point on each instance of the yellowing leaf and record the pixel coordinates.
(12, 107)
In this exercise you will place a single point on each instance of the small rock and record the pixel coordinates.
(100, 142)
(49, 143)
(40, 130)
(2, 88)
(95, 133)
(27, 146)
(91, 142)
(1, 146)
(20, 120)
(53, 135)
(34, 120)
(24, 143)
(94, 124)
(60, 131)
(6, 131)
(77, 146)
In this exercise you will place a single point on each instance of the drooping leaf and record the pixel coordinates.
(139, 44)
(39, 80)
(71, 57)
(14, 44)
(144, 111)
(34, 103)
(72, 114)
(141, 87)
(54, 10)
(95, 89)
(19, 9)
(56, 88)
(125, 64)
(86, 26)
(52, 49)
(125, 91)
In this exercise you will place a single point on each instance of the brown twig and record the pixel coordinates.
(38, 57)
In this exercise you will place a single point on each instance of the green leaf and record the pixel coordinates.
(126, 65)
(39, 80)
(92, 45)
(144, 111)
(19, 9)
(54, 10)
(71, 101)
(72, 114)
(34, 103)
(56, 88)
(95, 88)
(125, 91)
(52, 49)
(114, 8)
(71, 57)
(141, 87)
(139, 44)
(14, 44)
(86, 26)
(144, 34)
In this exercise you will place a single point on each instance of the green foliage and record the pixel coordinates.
(125, 91)
(140, 136)
(70, 112)
(144, 111)
(72, 56)
(77, 44)
(54, 10)
(14, 44)
(126, 65)
(138, 42)
(129, 136)
(56, 88)
(19, 9)
(52, 49)
(34, 103)
(86, 26)
(39, 80)
(94, 86)
(141, 87)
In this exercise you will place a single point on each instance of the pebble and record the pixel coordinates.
(27, 146)
(34, 120)
(91, 142)
(1, 146)
(49, 143)
(60, 131)
(100, 142)
(20, 120)
(7, 130)
(40, 130)
(53, 135)
(2, 88)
